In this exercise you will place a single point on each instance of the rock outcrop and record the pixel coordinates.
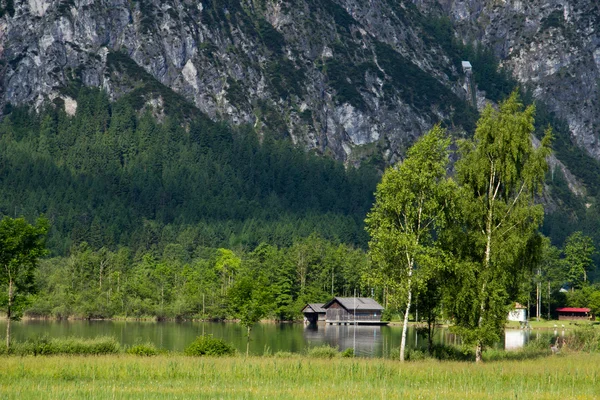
(350, 78)
(347, 77)
(550, 46)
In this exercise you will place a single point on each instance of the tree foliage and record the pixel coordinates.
(193, 281)
(410, 208)
(21, 245)
(499, 173)
(578, 251)
(113, 178)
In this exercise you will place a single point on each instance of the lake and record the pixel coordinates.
(369, 341)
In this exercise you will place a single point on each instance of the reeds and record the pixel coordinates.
(44, 346)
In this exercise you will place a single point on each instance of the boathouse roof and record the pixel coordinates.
(361, 303)
(314, 307)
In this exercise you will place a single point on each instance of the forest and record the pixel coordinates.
(151, 217)
(154, 218)
(114, 177)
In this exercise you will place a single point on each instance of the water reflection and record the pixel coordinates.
(515, 339)
(368, 341)
(374, 341)
(364, 339)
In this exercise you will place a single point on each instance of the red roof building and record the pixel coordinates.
(574, 313)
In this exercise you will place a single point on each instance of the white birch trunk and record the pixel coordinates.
(405, 324)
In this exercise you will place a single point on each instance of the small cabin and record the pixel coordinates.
(574, 313)
(353, 310)
(467, 67)
(313, 313)
(518, 313)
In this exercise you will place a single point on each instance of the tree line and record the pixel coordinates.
(204, 283)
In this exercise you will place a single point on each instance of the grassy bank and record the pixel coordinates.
(542, 324)
(552, 324)
(122, 376)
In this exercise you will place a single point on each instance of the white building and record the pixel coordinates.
(518, 313)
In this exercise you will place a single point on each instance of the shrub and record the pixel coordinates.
(207, 345)
(348, 353)
(453, 353)
(324, 351)
(439, 351)
(146, 349)
(415, 355)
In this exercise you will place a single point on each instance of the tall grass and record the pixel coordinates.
(320, 373)
(573, 375)
(45, 346)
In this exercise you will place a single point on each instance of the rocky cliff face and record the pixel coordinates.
(551, 46)
(346, 77)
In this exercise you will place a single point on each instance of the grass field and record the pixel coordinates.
(563, 376)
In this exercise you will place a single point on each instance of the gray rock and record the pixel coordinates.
(261, 63)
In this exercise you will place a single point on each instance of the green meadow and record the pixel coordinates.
(561, 376)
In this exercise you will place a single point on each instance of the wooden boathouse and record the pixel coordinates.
(313, 312)
(353, 310)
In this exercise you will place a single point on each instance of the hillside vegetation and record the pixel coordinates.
(113, 177)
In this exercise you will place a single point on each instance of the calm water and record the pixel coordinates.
(369, 341)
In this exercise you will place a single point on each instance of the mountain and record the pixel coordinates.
(177, 144)
(355, 81)
(551, 46)
(347, 78)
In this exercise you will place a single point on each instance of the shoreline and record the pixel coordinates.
(533, 325)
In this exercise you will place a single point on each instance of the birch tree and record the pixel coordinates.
(21, 244)
(500, 173)
(410, 205)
